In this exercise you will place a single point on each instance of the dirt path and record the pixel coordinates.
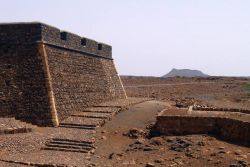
(111, 135)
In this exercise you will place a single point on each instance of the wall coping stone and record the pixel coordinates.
(36, 32)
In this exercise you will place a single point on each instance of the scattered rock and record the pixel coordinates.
(221, 148)
(188, 154)
(104, 137)
(170, 140)
(135, 133)
(243, 163)
(156, 141)
(218, 162)
(239, 163)
(243, 156)
(177, 157)
(180, 145)
(111, 156)
(184, 102)
(92, 164)
(148, 149)
(88, 157)
(237, 152)
(119, 154)
(139, 141)
(201, 143)
(159, 161)
(213, 154)
(222, 152)
(150, 165)
(150, 126)
(129, 162)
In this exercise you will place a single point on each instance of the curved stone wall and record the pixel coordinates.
(226, 128)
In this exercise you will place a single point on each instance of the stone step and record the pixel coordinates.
(72, 141)
(120, 103)
(83, 121)
(102, 109)
(66, 150)
(93, 115)
(78, 126)
(69, 146)
(90, 116)
(97, 111)
(75, 133)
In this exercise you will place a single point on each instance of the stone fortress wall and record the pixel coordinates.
(47, 74)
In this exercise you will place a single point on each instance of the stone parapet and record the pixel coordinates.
(30, 33)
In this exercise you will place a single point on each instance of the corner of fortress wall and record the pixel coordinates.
(48, 79)
(46, 74)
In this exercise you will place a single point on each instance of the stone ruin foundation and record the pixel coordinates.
(230, 126)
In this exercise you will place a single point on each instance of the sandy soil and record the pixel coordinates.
(126, 140)
(116, 148)
(220, 92)
(119, 147)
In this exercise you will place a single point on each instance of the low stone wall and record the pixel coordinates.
(206, 108)
(226, 128)
(34, 164)
(13, 126)
(15, 130)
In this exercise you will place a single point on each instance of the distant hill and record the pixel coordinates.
(185, 73)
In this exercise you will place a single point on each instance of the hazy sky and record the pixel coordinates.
(150, 37)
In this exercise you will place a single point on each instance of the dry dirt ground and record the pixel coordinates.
(125, 141)
(116, 148)
(215, 91)
(128, 140)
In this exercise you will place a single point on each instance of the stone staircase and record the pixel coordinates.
(82, 122)
(73, 142)
(102, 109)
(86, 120)
(78, 126)
(93, 115)
(70, 145)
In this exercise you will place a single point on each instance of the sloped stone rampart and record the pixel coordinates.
(47, 74)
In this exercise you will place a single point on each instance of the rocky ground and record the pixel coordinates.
(127, 138)
(70, 144)
(215, 91)
(128, 141)
(117, 148)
